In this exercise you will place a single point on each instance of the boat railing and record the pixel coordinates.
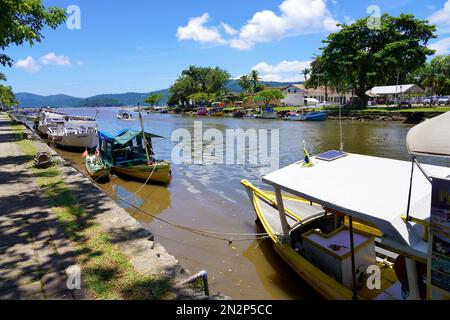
(269, 200)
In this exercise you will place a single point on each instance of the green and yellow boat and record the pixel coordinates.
(130, 153)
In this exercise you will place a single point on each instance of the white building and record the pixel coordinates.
(297, 95)
(294, 95)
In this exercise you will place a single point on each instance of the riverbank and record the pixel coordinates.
(117, 257)
(404, 115)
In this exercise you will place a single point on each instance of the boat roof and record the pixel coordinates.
(431, 137)
(368, 188)
(125, 135)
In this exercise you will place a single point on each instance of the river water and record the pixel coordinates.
(211, 196)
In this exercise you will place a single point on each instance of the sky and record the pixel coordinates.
(143, 45)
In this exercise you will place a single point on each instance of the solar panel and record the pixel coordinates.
(331, 155)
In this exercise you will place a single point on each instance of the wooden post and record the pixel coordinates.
(283, 220)
(352, 249)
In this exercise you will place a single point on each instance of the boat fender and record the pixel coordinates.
(400, 272)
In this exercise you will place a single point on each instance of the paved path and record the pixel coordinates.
(34, 252)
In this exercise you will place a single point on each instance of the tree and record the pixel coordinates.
(246, 84)
(153, 99)
(305, 73)
(7, 97)
(435, 75)
(22, 21)
(195, 79)
(268, 95)
(202, 97)
(364, 57)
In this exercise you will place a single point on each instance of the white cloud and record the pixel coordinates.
(442, 46)
(28, 64)
(79, 63)
(228, 29)
(296, 17)
(441, 18)
(195, 30)
(284, 71)
(52, 59)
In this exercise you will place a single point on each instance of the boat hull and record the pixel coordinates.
(76, 141)
(317, 116)
(97, 172)
(267, 115)
(159, 172)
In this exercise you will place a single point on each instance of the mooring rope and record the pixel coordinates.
(202, 232)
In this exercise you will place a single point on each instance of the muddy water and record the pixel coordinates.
(211, 197)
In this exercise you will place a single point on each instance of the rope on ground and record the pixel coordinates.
(205, 233)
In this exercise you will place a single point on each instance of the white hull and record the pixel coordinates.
(83, 140)
(266, 115)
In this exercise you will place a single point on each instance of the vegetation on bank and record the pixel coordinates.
(362, 55)
(106, 272)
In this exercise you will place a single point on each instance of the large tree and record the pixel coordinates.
(361, 57)
(268, 95)
(211, 81)
(7, 97)
(22, 21)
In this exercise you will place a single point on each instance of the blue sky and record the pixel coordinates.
(141, 46)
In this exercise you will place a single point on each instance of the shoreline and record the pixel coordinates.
(146, 258)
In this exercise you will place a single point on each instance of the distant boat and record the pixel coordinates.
(266, 113)
(96, 168)
(124, 115)
(239, 112)
(127, 154)
(216, 110)
(202, 111)
(307, 116)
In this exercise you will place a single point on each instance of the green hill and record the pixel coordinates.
(29, 100)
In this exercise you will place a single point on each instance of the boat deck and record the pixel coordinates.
(303, 209)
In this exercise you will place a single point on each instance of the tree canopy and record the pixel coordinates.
(153, 99)
(207, 80)
(434, 75)
(7, 97)
(361, 57)
(250, 83)
(268, 95)
(22, 21)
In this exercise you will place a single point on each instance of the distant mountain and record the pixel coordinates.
(33, 100)
(29, 100)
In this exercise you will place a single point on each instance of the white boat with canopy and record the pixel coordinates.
(334, 220)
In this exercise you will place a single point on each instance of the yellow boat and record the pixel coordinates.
(157, 172)
(126, 154)
(345, 232)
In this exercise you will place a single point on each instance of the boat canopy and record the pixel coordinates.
(431, 137)
(367, 188)
(125, 135)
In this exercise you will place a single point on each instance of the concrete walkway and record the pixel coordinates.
(34, 252)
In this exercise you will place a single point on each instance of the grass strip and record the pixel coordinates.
(106, 272)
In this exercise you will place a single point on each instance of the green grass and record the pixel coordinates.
(106, 272)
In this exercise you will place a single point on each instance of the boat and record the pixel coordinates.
(202, 111)
(307, 114)
(73, 134)
(47, 118)
(127, 154)
(238, 112)
(359, 227)
(124, 115)
(217, 110)
(96, 168)
(266, 113)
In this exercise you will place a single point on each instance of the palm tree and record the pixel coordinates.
(305, 73)
(2, 77)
